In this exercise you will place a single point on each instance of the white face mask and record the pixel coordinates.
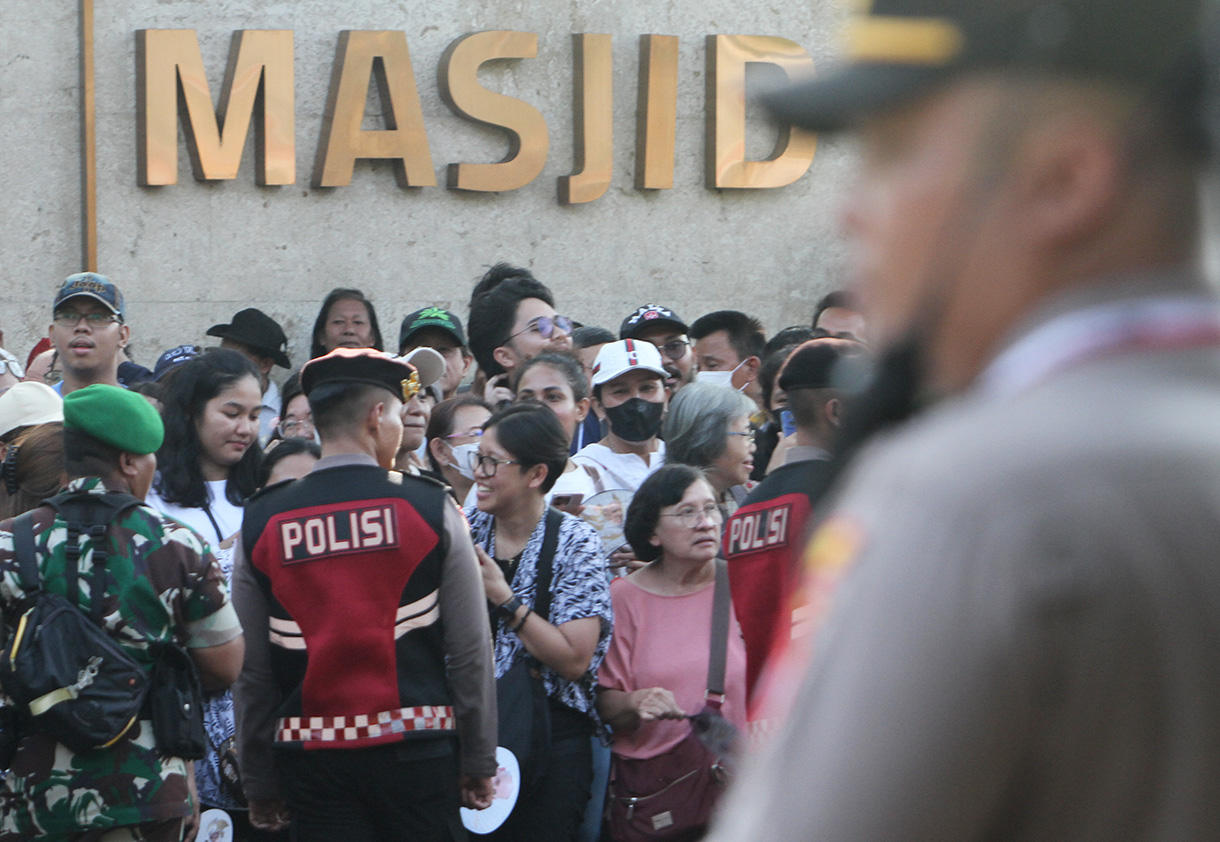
(463, 459)
(720, 378)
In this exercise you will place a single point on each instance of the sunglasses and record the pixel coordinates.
(545, 326)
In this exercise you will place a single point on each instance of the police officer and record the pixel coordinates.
(366, 705)
(159, 584)
(1023, 646)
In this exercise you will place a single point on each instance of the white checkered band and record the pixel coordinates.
(365, 726)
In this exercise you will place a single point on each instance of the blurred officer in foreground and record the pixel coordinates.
(366, 706)
(1024, 643)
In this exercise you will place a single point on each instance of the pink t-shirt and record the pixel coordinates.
(663, 641)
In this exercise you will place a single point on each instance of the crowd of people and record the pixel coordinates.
(599, 476)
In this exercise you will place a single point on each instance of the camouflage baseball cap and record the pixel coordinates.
(897, 49)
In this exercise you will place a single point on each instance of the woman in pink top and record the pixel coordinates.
(655, 672)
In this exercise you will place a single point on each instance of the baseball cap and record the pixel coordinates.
(173, 358)
(898, 49)
(254, 328)
(29, 403)
(437, 317)
(428, 362)
(617, 358)
(647, 316)
(95, 286)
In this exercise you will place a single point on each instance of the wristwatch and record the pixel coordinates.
(508, 609)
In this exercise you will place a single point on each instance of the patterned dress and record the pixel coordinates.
(580, 587)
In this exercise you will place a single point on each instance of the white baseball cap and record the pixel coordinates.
(29, 403)
(617, 358)
(429, 364)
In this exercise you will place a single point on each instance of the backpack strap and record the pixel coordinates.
(89, 514)
(23, 549)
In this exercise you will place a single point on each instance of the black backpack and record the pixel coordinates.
(66, 675)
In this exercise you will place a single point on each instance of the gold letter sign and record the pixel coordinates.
(461, 91)
(172, 84)
(360, 54)
(594, 121)
(656, 112)
(727, 56)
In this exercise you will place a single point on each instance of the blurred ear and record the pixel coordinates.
(582, 409)
(1071, 178)
(833, 411)
(124, 335)
(436, 448)
(505, 356)
(535, 475)
(749, 370)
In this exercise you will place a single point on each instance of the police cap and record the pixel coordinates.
(900, 48)
(362, 365)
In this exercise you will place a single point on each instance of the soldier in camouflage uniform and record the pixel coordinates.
(162, 585)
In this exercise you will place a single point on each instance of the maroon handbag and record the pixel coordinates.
(670, 797)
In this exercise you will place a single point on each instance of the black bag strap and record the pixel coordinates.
(23, 549)
(546, 564)
(719, 649)
(90, 514)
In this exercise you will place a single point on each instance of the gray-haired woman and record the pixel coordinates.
(708, 427)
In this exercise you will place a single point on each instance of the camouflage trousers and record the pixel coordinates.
(166, 831)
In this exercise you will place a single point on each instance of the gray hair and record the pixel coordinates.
(697, 425)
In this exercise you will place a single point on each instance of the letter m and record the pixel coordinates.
(171, 85)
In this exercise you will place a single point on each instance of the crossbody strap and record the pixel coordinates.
(719, 649)
(546, 564)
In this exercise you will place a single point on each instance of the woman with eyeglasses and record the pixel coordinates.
(453, 436)
(522, 451)
(296, 419)
(708, 427)
(656, 671)
(557, 381)
(208, 465)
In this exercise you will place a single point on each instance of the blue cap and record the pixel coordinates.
(95, 286)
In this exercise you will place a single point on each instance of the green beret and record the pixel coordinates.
(122, 419)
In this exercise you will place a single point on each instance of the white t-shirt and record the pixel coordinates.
(226, 515)
(612, 470)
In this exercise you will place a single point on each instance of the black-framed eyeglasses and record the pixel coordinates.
(692, 517)
(488, 465)
(71, 318)
(674, 349)
(545, 326)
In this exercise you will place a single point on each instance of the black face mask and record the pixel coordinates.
(635, 419)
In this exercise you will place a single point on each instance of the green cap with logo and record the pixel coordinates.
(122, 419)
(898, 49)
(431, 317)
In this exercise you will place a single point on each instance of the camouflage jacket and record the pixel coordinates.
(162, 583)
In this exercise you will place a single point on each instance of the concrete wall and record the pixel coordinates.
(191, 254)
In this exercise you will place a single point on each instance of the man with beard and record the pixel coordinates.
(1022, 641)
(663, 328)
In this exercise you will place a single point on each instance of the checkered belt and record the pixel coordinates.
(366, 725)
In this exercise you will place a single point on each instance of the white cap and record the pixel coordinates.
(617, 358)
(29, 403)
(429, 364)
